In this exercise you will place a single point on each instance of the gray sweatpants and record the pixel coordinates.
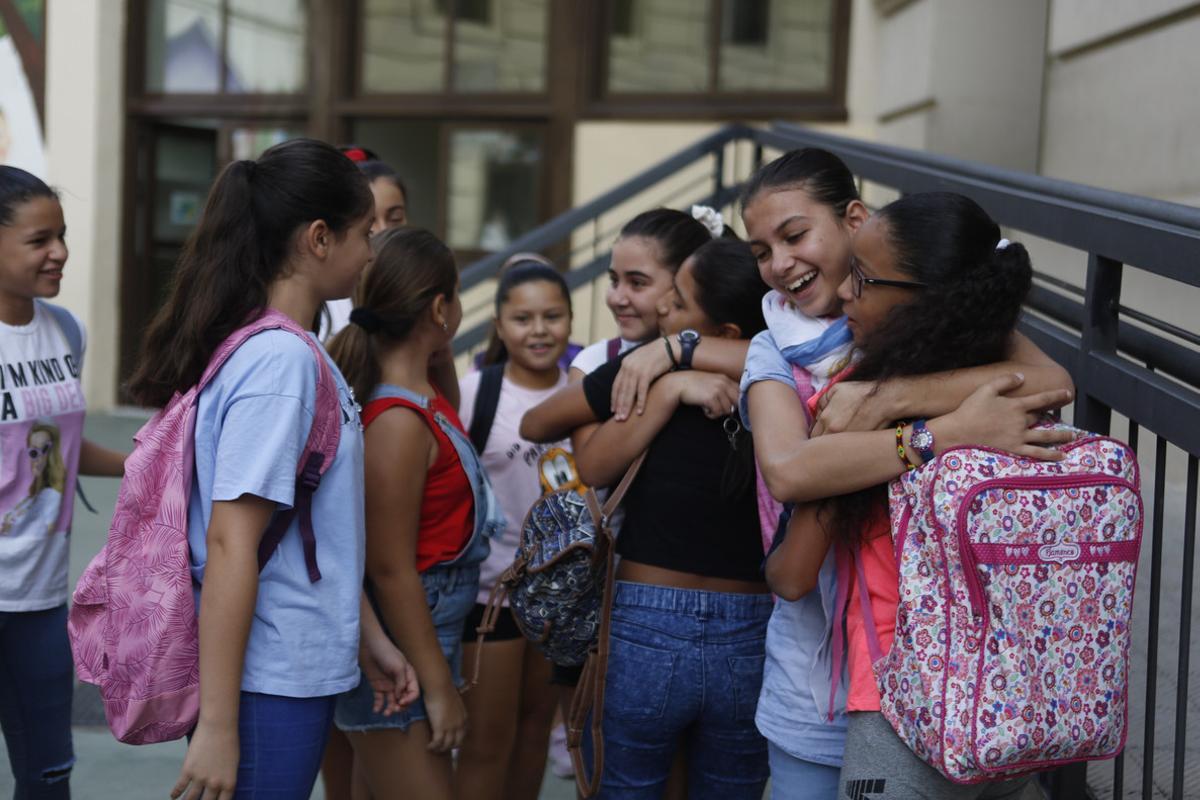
(879, 766)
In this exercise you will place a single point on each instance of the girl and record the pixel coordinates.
(391, 211)
(504, 754)
(286, 232)
(43, 451)
(429, 509)
(690, 610)
(645, 257)
(932, 286)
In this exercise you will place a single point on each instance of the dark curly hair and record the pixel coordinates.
(964, 317)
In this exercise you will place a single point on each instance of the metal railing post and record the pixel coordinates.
(1102, 299)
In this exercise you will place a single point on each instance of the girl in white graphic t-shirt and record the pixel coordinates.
(42, 451)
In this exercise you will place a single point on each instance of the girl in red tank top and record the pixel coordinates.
(419, 508)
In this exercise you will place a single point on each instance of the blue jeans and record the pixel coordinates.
(450, 595)
(685, 664)
(796, 779)
(282, 740)
(37, 678)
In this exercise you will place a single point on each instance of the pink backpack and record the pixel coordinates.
(133, 621)
(1011, 651)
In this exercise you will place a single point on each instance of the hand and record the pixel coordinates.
(852, 406)
(639, 369)
(210, 767)
(447, 719)
(991, 419)
(716, 394)
(391, 676)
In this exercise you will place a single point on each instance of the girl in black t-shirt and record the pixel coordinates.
(691, 606)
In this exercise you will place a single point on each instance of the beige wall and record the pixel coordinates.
(84, 127)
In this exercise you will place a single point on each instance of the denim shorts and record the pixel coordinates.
(689, 664)
(449, 594)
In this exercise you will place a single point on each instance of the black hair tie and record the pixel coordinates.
(366, 319)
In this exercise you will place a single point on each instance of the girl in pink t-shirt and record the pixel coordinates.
(511, 709)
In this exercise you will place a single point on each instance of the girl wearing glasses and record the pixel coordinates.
(801, 213)
(932, 286)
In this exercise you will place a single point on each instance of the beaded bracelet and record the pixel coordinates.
(900, 451)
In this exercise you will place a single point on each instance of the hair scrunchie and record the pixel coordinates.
(710, 218)
(366, 319)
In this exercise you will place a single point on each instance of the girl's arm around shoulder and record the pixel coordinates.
(558, 415)
(651, 361)
(608, 452)
(838, 463)
(859, 406)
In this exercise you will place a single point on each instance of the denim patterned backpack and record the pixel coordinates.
(556, 581)
(1011, 650)
(560, 589)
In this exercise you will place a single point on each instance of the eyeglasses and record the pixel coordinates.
(36, 452)
(860, 279)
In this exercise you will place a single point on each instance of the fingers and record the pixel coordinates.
(1003, 384)
(643, 390)
(181, 785)
(1041, 453)
(1048, 436)
(1042, 401)
(623, 392)
(818, 428)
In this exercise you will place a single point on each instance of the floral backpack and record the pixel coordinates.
(132, 622)
(1011, 649)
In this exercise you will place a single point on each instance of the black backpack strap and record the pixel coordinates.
(491, 378)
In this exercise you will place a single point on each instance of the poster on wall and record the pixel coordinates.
(22, 69)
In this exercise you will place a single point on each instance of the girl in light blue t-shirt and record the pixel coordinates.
(286, 232)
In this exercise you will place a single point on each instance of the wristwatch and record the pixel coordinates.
(922, 441)
(688, 339)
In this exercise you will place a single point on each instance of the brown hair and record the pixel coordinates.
(412, 267)
(238, 249)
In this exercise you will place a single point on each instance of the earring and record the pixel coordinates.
(445, 327)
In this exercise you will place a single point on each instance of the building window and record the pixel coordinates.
(723, 53)
(479, 185)
(453, 46)
(226, 47)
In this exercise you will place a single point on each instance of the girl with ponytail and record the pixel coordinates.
(283, 234)
(430, 510)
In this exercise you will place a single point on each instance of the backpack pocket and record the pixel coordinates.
(1049, 565)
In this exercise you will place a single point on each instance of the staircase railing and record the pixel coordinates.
(1136, 375)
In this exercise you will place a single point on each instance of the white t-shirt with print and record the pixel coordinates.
(41, 429)
(519, 469)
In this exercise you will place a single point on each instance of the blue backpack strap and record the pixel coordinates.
(73, 332)
(487, 399)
